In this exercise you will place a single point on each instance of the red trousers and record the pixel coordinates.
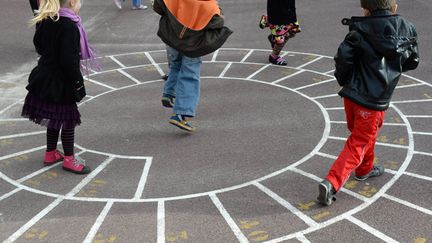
(358, 152)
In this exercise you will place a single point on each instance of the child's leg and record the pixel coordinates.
(368, 161)
(68, 138)
(361, 140)
(52, 138)
(174, 63)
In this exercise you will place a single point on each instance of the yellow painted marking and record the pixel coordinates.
(351, 184)
(246, 224)
(376, 160)
(427, 96)
(22, 158)
(321, 215)
(400, 141)
(258, 235)
(5, 142)
(100, 238)
(43, 234)
(4, 163)
(383, 139)
(33, 182)
(368, 191)
(99, 182)
(391, 165)
(32, 233)
(50, 175)
(420, 240)
(182, 235)
(396, 119)
(150, 68)
(309, 58)
(306, 206)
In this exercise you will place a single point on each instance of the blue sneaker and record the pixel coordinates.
(181, 122)
(377, 170)
(168, 101)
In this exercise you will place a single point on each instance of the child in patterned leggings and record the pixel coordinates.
(281, 19)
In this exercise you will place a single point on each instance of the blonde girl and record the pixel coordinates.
(56, 83)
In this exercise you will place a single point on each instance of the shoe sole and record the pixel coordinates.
(167, 103)
(83, 172)
(181, 126)
(324, 195)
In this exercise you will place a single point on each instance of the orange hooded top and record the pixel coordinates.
(194, 14)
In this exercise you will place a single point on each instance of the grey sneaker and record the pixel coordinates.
(326, 193)
(377, 170)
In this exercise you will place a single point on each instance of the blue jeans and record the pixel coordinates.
(183, 82)
(136, 3)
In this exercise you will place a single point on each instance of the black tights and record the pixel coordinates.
(67, 138)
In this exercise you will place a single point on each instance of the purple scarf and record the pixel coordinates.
(87, 52)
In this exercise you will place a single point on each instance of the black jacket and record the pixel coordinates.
(191, 43)
(371, 59)
(57, 74)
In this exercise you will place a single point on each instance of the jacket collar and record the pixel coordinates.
(381, 12)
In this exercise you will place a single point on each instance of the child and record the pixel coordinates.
(281, 18)
(191, 29)
(56, 83)
(34, 4)
(369, 62)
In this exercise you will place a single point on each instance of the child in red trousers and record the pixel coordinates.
(369, 62)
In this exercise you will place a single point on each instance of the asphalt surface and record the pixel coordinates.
(266, 135)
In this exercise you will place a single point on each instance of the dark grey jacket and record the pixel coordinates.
(371, 59)
(189, 42)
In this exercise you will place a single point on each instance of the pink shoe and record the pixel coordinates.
(70, 163)
(53, 157)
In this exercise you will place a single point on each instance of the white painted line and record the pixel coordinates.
(326, 155)
(427, 178)
(258, 71)
(215, 54)
(33, 221)
(371, 230)
(158, 68)
(247, 55)
(315, 84)
(117, 156)
(22, 152)
(287, 77)
(9, 106)
(310, 222)
(409, 86)
(161, 222)
(338, 122)
(89, 177)
(310, 62)
(129, 76)
(100, 219)
(19, 135)
(411, 101)
(419, 116)
(101, 84)
(222, 74)
(236, 230)
(331, 71)
(408, 204)
(423, 133)
(325, 96)
(117, 61)
(6, 195)
(377, 143)
(13, 119)
(302, 239)
(423, 153)
(141, 185)
(335, 108)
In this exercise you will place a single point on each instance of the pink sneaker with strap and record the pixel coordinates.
(70, 163)
(53, 157)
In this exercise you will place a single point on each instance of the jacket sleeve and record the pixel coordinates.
(344, 59)
(412, 55)
(70, 53)
(157, 7)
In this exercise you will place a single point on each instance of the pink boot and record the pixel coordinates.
(73, 165)
(52, 157)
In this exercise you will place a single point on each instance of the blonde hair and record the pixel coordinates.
(48, 9)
